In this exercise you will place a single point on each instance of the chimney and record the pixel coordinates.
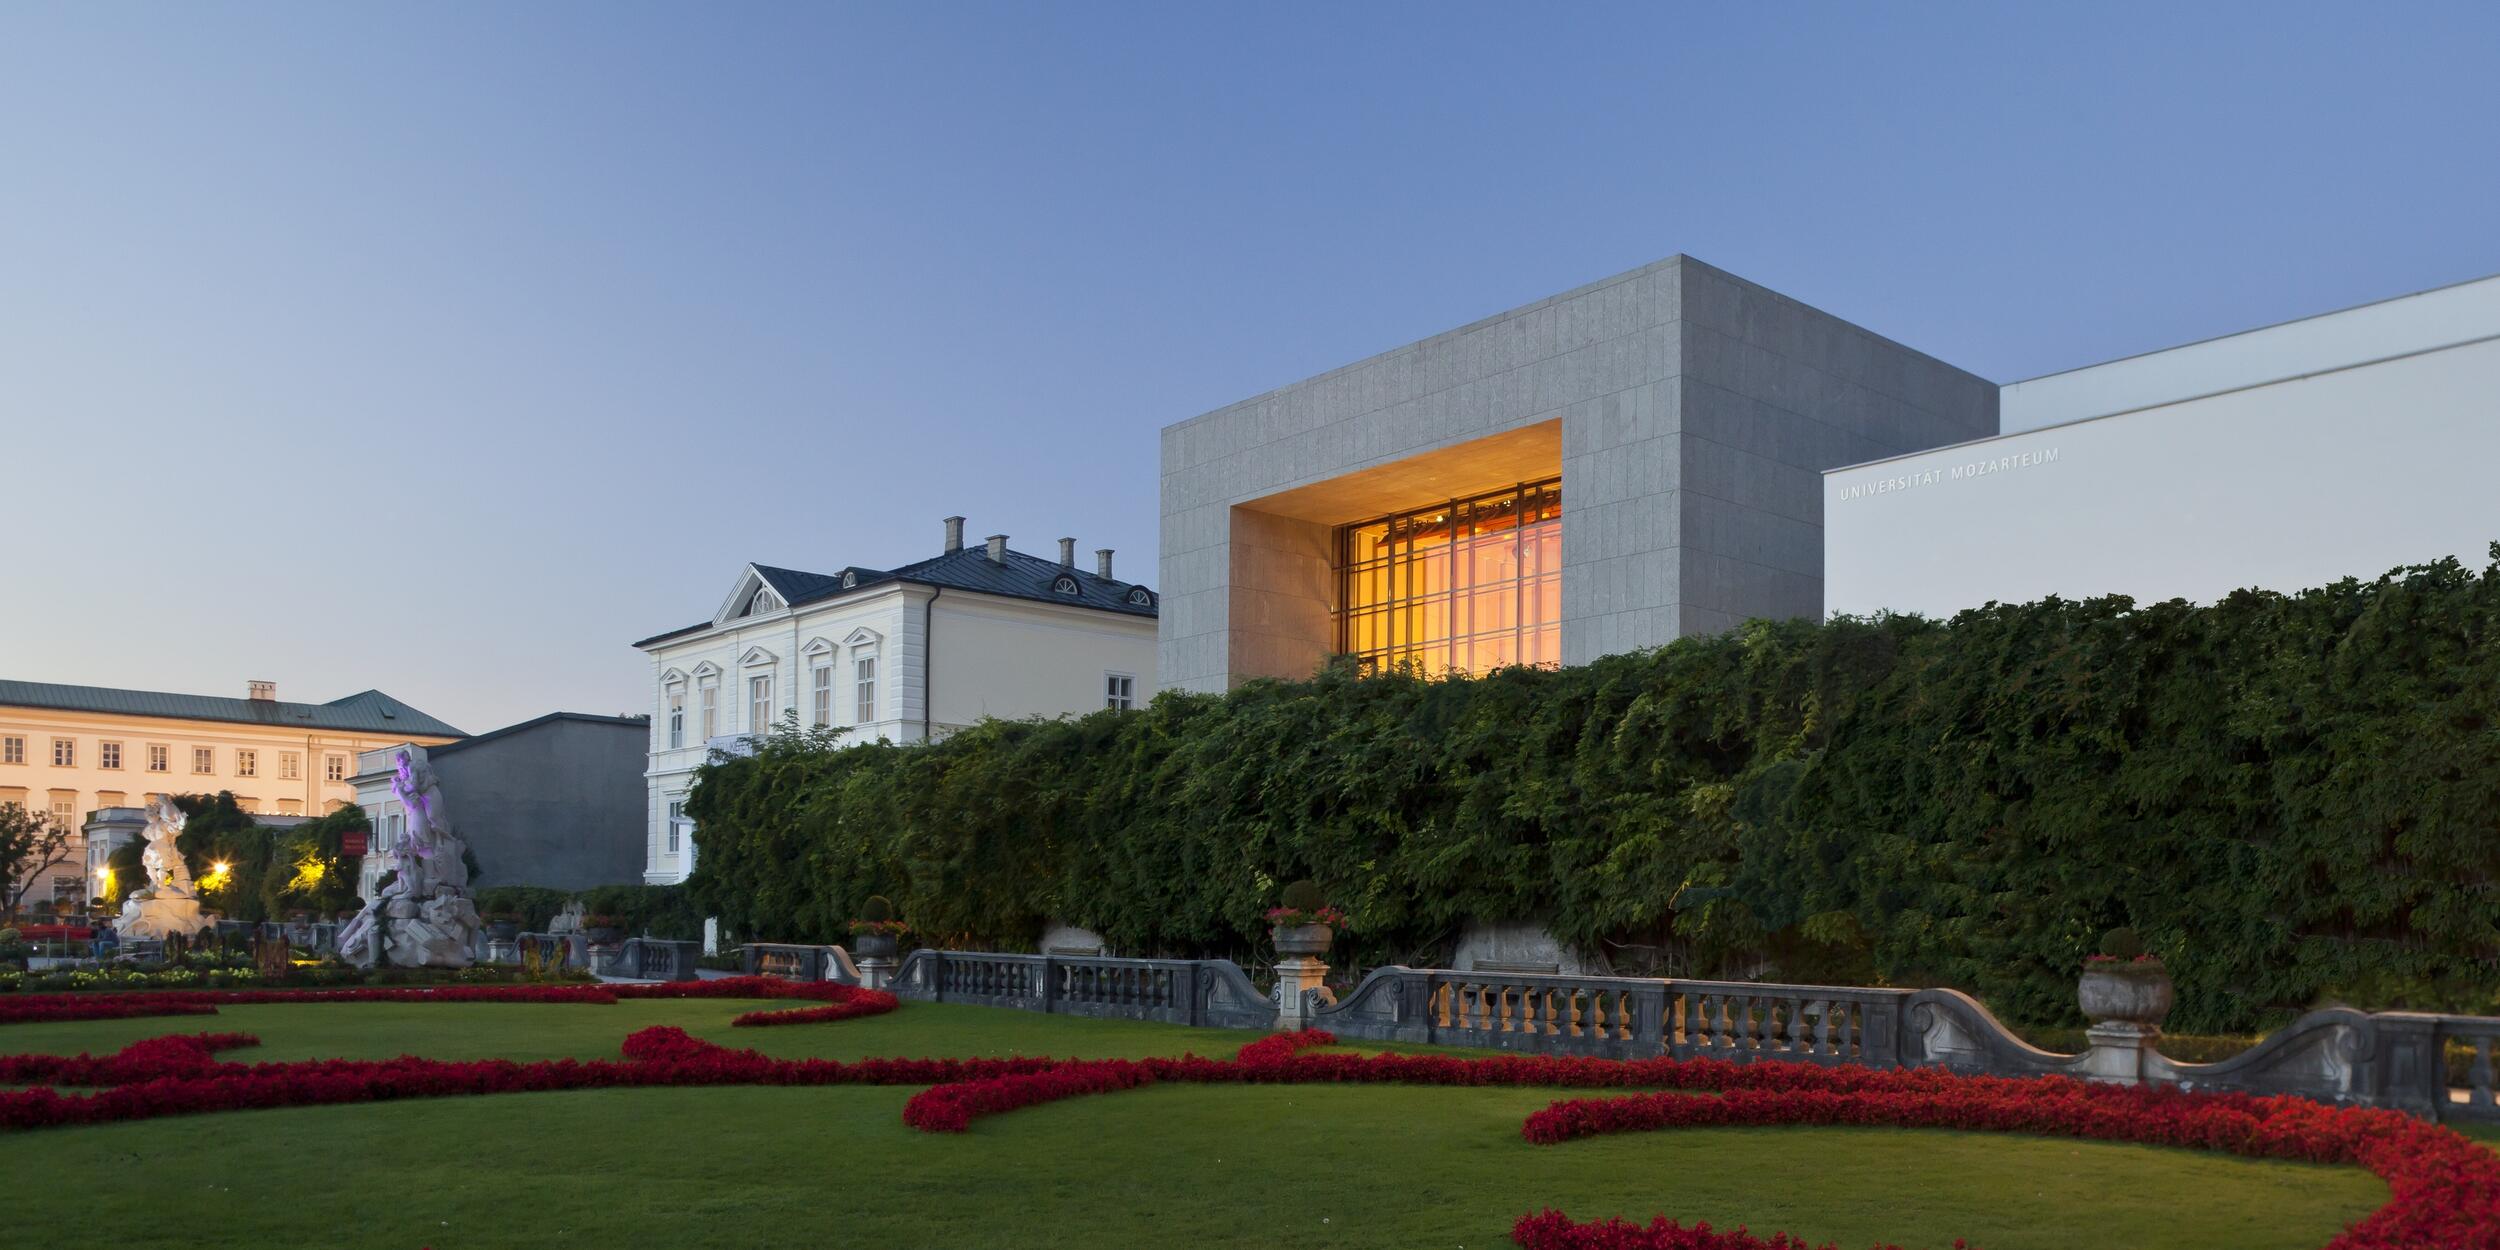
(954, 534)
(264, 692)
(998, 548)
(1102, 563)
(1067, 553)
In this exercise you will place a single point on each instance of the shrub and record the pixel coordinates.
(1963, 803)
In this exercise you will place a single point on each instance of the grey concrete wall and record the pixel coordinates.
(1697, 413)
(557, 804)
(1773, 393)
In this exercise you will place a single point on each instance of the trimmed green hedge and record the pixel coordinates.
(2294, 798)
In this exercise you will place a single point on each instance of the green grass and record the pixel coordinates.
(1307, 1166)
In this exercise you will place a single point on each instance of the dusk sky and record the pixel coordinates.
(448, 349)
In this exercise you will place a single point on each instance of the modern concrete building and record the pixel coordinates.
(1608, 469)
(555, 801)
(2340, 445)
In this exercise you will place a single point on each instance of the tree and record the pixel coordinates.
(31, 846)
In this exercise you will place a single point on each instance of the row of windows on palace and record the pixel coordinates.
(160, 758)
(1119, 692)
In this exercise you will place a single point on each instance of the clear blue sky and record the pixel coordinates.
(448, 348)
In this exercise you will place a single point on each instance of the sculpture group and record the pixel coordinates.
(166, 905)
(423, 918)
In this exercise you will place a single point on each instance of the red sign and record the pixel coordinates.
(351, 844)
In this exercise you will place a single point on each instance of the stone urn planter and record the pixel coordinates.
(1303, 941)
(873, 946)
(602, 931)
(2136, 995)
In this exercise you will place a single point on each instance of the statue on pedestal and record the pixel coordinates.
(165, 905)
(423, 918)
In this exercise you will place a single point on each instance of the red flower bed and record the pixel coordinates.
(32, 1008)
(1553, 1230)
(2445, 1190)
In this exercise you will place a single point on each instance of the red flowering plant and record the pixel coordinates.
(876, 919)
(1304, 905)
(2123, 954)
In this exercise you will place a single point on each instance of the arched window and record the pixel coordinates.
(1063, 584)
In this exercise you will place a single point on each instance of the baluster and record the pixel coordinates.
(1823, 1028)
(2481, 1096)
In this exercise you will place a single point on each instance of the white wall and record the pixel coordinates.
(2428, 320)
(2284, 485)
(1013, 658)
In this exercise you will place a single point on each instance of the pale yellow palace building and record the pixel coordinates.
(70, 750)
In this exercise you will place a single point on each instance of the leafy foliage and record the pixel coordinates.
(2294, 797)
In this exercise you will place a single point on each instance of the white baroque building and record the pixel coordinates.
(905, 654)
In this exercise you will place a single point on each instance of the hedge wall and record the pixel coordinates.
(2294, 797)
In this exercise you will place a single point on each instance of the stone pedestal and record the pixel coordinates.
(876, 974)
(1294, 976)
(157, 915)
(503, 950)
(605, 958)
(2118, 1051)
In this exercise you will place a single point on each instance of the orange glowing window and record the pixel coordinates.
(1468, 585)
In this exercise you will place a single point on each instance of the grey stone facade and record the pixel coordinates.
(1696, 414)
(556, 801)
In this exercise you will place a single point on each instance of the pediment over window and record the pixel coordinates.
(816, 647)
(673, 677)
(756, 657)
(863, 637)
(706, 671)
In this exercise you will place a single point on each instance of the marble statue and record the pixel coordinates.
(424, 917)
(165, 905)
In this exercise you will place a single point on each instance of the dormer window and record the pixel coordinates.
(1063, 584)
(763, 603)
(850, 578)
(1141, 597)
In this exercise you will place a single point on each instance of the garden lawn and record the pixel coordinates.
(1296, 1166)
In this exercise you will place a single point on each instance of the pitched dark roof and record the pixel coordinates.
(1019, 577)
(369, 711)
(1025, 577)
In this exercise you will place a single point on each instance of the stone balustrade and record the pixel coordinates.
(1174, 991)
(2478, 1037)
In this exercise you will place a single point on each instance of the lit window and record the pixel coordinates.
(1119, 691)
(334, 767)
(65, 752)
(1469, 585)
(203, 759)
(864, 684)
(759, 704)
(12, 750)
(822, 676)
(290, 766)
(676, 719)
(711, 710)
(108, 755)
(160, 758)
(247, 764)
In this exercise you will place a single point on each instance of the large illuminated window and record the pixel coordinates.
(1471, 584)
